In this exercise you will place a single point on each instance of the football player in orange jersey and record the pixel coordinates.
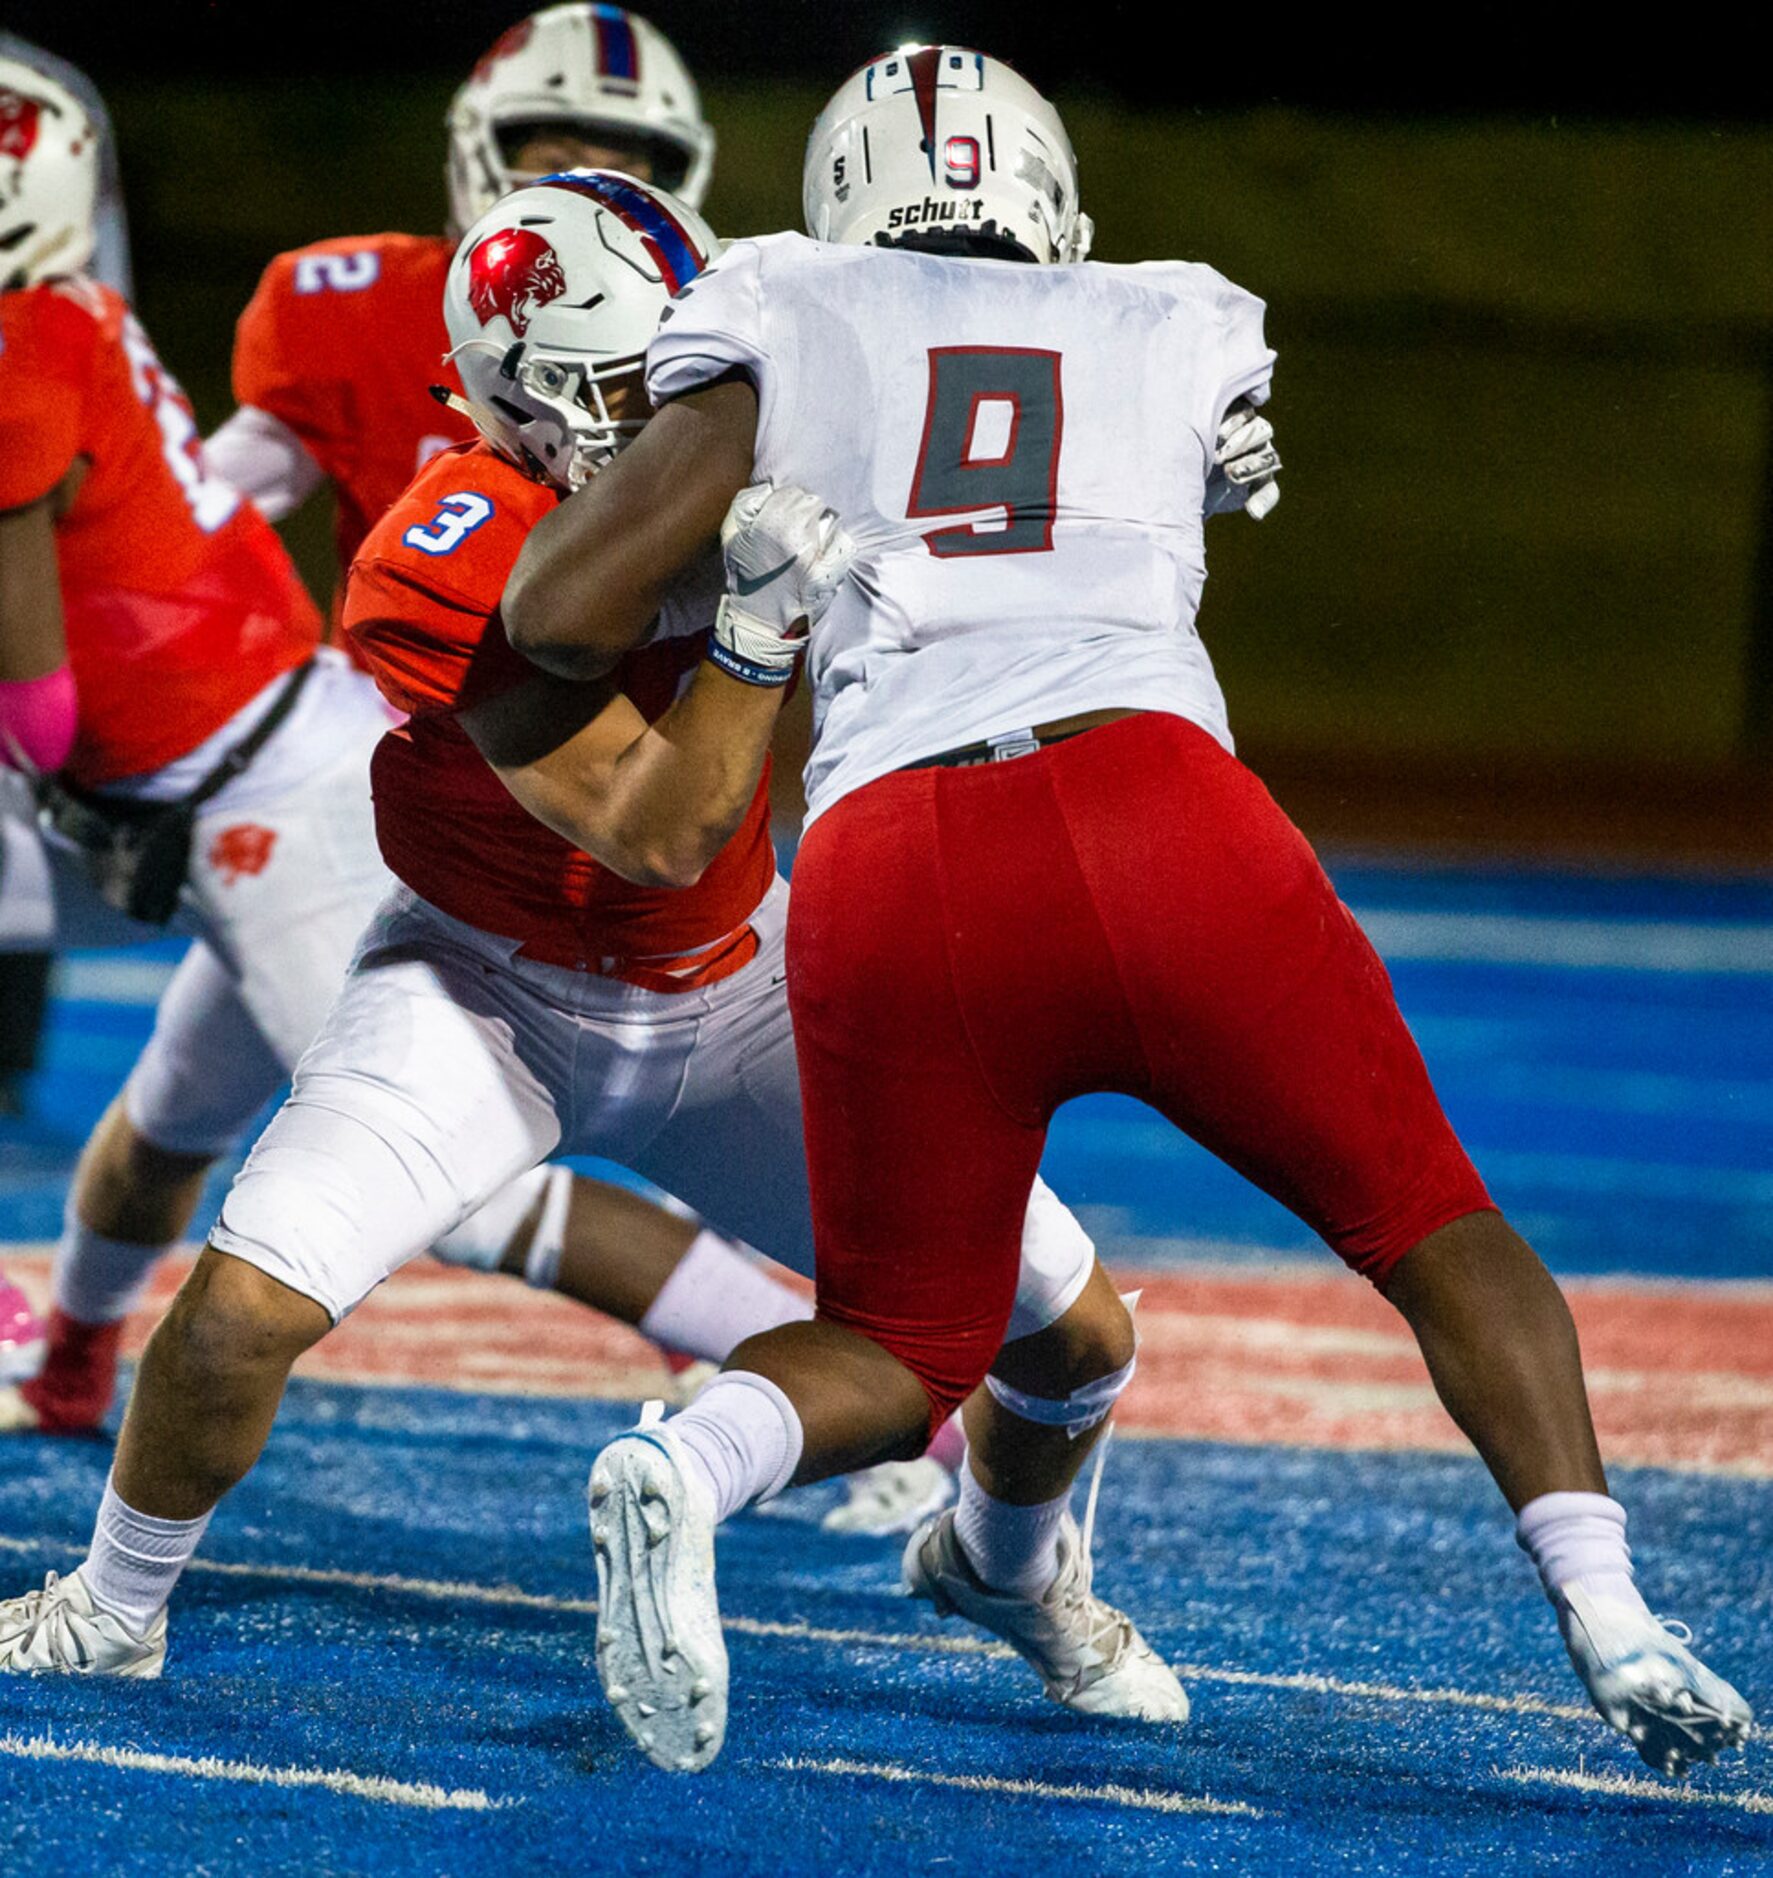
(159, 659)
(339, 346)
(336, 353)
(577, 959)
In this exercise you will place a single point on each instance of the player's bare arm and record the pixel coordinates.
(593, 575)
(654, 803)
(31, 638)
(37, 698)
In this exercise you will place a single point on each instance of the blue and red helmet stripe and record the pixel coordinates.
(663, 235)
(618, 51)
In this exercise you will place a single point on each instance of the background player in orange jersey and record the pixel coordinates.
(187, 663)
(24, 976)
(338, 348)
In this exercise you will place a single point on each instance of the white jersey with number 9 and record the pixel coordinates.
(1021, 454)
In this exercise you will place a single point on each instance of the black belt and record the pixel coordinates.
(998, 749)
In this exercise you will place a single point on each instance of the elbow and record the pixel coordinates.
(524, 610)
(545, 624)
(671, 859)
(669, 865)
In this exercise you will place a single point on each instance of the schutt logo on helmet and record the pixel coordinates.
(515, 273)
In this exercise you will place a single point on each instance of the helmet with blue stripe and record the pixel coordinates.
(551, 300)
(593, 71)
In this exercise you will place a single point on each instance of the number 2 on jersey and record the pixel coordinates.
(991, 434)
(456, 519)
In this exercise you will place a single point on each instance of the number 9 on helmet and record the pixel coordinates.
(943, 148)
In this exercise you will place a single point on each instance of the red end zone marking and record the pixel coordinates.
(1681, 1376)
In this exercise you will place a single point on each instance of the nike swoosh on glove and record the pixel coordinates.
(786, 556)
(1246, 464)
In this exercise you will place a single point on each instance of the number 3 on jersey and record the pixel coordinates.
(456, 519)
(991, 434)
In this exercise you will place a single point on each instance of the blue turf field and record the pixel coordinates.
(1378, 1686)
(1394, 1571)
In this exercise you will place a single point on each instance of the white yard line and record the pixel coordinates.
(100, 980)
(378, 1787)
(1146, 1799)
(1629, 1787)
(958, 1643)
(1646, 945)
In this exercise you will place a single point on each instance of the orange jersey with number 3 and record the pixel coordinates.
(422, 612)
(178, 601)
(342, 342)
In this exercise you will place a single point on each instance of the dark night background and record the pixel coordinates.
(1520, 277)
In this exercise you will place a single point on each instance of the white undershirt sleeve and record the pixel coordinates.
(265, 460)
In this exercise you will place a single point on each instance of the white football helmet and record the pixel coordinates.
(597, 69)
(937, 142)
(48, 178)
(552, 295)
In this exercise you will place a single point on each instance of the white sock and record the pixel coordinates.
(1012, 1548)
(99, 1280)
(136, 1560)
(744, 1436)
(716, 1298)
(1578, 1536)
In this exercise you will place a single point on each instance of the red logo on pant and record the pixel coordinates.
(243, 849)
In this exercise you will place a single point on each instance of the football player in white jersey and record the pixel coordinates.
(1033, 868)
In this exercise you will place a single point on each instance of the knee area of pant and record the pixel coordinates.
(231, 1317)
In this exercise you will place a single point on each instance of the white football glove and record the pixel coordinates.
(1246, 459)
(786, 556)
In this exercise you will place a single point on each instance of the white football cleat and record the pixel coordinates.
(1648, 1684)
(660, 1655)
(895, 1497)
(23, 1339)
(1090, 1656)
(60, 1630)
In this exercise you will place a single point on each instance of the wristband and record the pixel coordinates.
(746, 670)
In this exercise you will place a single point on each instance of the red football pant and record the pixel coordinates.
(1127, 910)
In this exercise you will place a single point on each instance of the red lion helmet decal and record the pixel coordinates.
(513, 272)
(18, 124)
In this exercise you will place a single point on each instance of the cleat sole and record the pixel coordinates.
(660, 1654)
